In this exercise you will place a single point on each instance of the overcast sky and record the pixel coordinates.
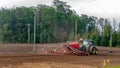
(99, 8)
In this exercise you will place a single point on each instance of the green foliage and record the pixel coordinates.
(114, 39)
(55, 23)
(106, 35)
(118, 38)
(95, 35)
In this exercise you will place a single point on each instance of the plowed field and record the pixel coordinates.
(22, 56)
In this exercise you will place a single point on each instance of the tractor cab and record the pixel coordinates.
(88, 43)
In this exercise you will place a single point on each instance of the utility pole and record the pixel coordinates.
(20, 31)
(112, 30)
(110, 43)
(34, 47)
(28, 33)
(76, 30)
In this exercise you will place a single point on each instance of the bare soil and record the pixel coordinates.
(22, 56)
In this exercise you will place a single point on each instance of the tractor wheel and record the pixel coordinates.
(93, 50)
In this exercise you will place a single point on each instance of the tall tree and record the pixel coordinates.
(106, 34)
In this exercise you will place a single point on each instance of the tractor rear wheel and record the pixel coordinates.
(94, 50)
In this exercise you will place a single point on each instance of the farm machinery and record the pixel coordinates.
(75, 48)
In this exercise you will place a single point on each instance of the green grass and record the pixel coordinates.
(115, 67)
(111, 67)
(105, 64)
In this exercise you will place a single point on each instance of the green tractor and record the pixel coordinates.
(89, 47)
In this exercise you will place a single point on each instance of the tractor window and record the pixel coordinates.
(85, 43)
(91, 43)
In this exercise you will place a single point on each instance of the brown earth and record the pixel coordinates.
(22, 56)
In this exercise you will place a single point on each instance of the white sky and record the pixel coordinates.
(99, 8)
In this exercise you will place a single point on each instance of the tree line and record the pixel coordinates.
(56, 23)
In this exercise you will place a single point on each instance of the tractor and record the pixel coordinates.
(75, 48)
(89, 46)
